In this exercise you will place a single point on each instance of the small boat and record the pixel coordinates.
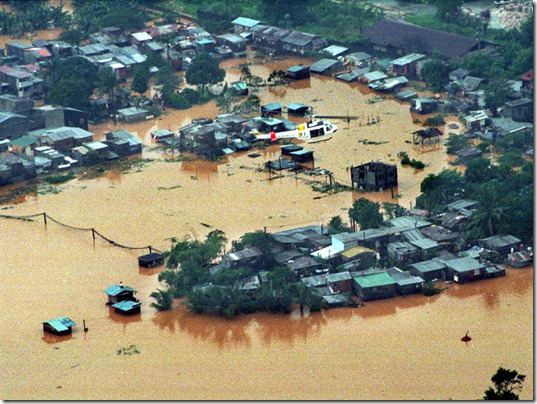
(466, 338)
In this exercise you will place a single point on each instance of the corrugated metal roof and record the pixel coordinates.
(115, 290)
(408, 59)
(323, 64)
(376, 75)
(340, 276)
(428, 266)
(24, 141)
(335, 50)
(61, 323)
(464, 264)
(272, 107)
(296, 106)
(373, 280)
(245, 22)
(425, 243)
(297, 68)
(126, 305)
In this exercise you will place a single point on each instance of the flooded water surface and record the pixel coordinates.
(401, 348)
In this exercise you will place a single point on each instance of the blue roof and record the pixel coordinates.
(272, 107)
(115, 290)
(297, 68)
(60, 323)
(296, 106)
(246, 22)
(126, 305)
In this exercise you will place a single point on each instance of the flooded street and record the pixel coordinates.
(401, 348)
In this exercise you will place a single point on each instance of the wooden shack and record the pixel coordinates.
(59, 326)
(274, 108)
(151, 260)
(119, 293)
(298, 109)
(374, 176)
(298, 72)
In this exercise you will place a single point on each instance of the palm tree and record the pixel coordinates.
(164, 299)
(107, 84)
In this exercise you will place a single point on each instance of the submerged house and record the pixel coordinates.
(374, 285)
(502, 244)
(428, 270)
(298, 72)
(406, 282)
(118, 293)
(127, 307)
(375, 176)
(151, 260)
(59, 326)
(327, 67)
(463, 270)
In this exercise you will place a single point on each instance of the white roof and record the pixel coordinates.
(327, 252)
(142, 36)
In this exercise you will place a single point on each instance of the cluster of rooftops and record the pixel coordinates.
(397, 258)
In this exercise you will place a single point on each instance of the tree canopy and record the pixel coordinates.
(204, 71)
(366, 214)
(507, 385)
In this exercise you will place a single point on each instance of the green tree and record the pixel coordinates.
(490, 209)
(336, 225)
(366, 214)
(448, 10)
(441, 189)
(108, 83)
(477, 170)
(140, 80)
(204, 71)
(70, 92)
(436, 75)
(496, 92)
(393, 210)
(507, 385)
(164, 299)
(455, 142)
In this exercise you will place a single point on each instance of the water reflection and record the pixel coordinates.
(270, 327)
(52, 339)
(123, 319)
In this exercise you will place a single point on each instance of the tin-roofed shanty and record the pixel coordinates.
(519, 259)
(503, 244)
(274, 108)
(298, 72)
(59, 325)
(297, 109)
(127, 307)
(407, 283)
(118, 293)
(403, 252)
(244, 24)
(335, 50)
(327, 67)
(428, 270)
(247, 256)
(463, 270)
(374, 285)
(151, 260)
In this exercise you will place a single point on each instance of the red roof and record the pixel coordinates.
(528, 76)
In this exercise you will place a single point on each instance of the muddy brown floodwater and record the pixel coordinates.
(401, 348)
